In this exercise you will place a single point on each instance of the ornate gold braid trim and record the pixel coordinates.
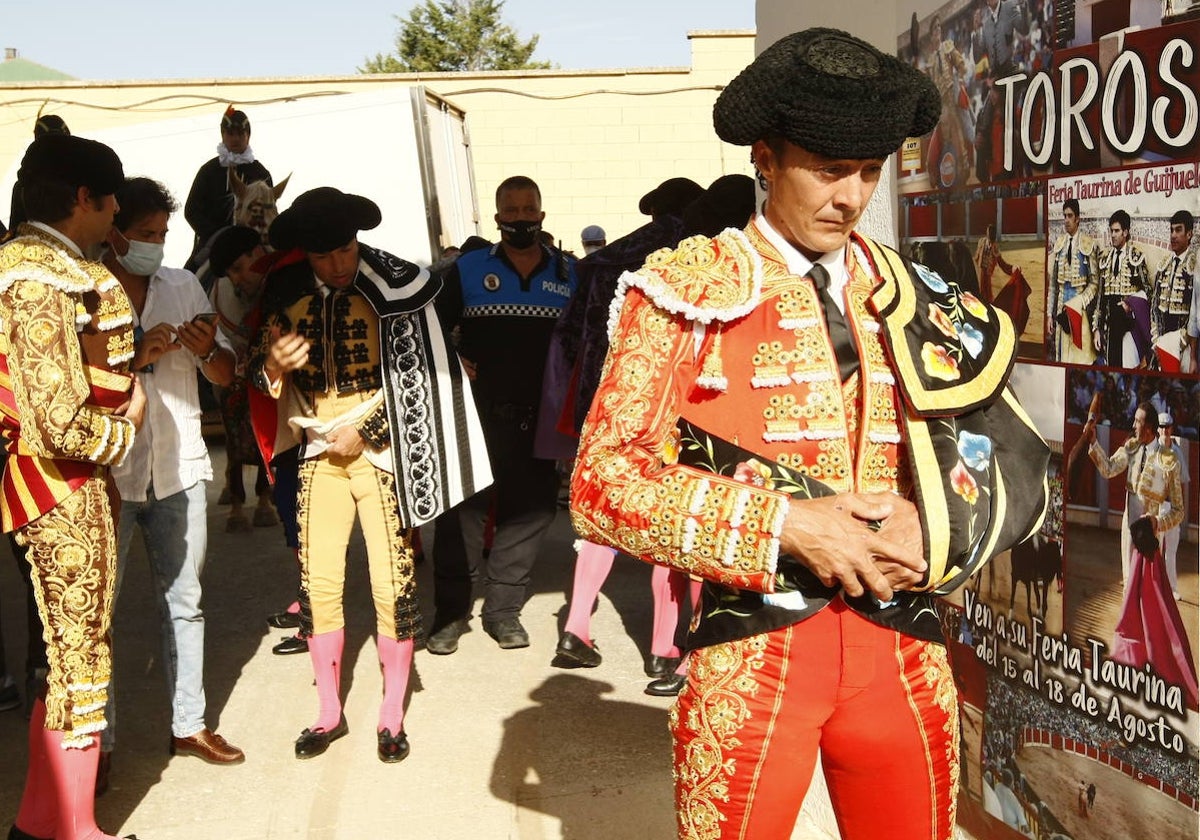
(49, 385)
(39, 257)
(72, 550)
(724, 678)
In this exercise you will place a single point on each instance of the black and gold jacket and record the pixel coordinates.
(381, 332)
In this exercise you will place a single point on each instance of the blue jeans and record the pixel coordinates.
(175, 533)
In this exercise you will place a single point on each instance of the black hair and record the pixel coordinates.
(46, 200)
(1183, 217)
(518, 182)
(139, 198)
(1151, 413)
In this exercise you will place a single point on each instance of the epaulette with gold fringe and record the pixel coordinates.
(704, 279)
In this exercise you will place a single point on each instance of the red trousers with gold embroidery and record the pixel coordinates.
(881, 707)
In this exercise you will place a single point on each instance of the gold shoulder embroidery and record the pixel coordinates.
(32, 257)
(703, 279)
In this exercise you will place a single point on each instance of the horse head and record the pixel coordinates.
(255, 204)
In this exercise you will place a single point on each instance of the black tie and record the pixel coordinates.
(839, 333)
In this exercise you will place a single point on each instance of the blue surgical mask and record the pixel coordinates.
(143, 258)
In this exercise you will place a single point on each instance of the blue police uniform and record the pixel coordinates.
(505, 322)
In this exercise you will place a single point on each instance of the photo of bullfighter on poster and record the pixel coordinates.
(1120, 267)
(1077, 680)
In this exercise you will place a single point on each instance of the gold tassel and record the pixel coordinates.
(712, 374)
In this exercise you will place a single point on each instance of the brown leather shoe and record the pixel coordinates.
(209, 746)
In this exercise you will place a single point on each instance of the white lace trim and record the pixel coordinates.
(705, 315)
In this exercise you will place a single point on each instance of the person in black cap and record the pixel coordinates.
(71, 412)
(240, 261)
(351, 347)
(669, 198)
(235, 262)
(815, 427)
(577, 351)
(209, 205)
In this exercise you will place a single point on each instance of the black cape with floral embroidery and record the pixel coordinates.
(971, 421)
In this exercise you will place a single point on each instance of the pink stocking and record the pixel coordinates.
(396, 658)
(325, 650)
(668, 587)
(37, 815)
(592, 565)
(74, 773)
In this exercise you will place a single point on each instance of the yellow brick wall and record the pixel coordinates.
(594, 141)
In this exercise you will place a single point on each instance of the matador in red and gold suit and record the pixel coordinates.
(822, 431)
(69, 410)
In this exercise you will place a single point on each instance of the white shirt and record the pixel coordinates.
(169, 451)
(833, 262)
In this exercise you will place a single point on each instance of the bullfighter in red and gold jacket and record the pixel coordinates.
(821, 431)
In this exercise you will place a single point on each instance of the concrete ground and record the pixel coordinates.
(503, 745)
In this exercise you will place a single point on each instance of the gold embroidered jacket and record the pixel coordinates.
(1158, 484)
(1171, 293)
(929, 414)
(65, 344)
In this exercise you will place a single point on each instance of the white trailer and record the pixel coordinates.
(404, 147)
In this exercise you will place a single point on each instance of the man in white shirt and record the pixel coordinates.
(162, 482)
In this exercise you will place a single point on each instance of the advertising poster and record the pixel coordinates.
(1063, 185)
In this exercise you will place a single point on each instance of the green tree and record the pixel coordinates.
(448, 35)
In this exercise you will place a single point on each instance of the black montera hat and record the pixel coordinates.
(75, 161)
(322, 220)
(728, 202)
(50, 124)
(830, 93)
(233, 118)
(670, 197)
(230, 244)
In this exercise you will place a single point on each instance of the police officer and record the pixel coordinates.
(504, 300)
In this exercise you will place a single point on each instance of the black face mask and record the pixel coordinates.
(520, 234)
